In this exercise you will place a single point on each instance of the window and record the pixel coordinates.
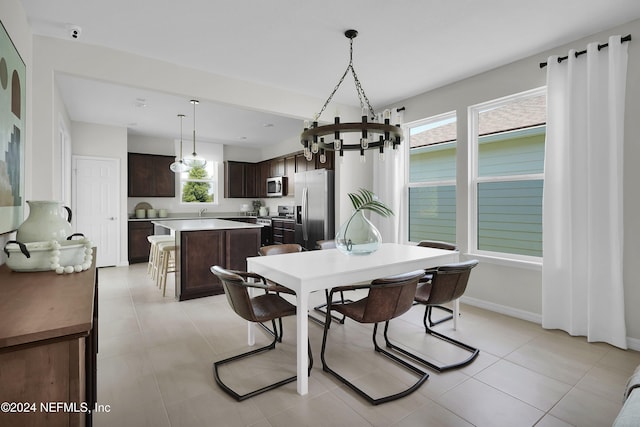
(507, 175)
(199, 184)
(432, 179)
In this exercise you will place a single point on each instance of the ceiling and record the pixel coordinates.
(404, 48)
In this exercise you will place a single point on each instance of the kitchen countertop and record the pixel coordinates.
(197, 224)
(192, 216)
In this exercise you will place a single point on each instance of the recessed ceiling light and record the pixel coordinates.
(242, 137)
(267, 125)
(141, 102)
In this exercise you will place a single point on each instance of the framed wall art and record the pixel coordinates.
(12, 133)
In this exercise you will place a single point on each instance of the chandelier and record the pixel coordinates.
(194, 160)
(179, 166)
(373, 133)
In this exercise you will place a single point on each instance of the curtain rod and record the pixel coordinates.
(582, 52)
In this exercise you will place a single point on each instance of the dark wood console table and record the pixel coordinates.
(48, 347)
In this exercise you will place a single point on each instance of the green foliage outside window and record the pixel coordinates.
(197, 189)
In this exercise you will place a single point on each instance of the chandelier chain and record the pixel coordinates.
(359, 88)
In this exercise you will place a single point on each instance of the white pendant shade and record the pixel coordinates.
(194, 161)
(179, 167)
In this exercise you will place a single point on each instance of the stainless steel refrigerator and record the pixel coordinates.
(315, 209)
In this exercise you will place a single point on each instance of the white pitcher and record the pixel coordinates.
(45, 222)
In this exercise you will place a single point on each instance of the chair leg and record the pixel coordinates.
(322, 309)
(271, 346)
(439, 368)
(444, 319)
(273, 333)
(422, 376)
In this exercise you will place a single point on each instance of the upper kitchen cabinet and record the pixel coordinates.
(149, 176)
(263, 172)
(289, 172)
(277, 167)
(240, 179)
(329, 164)
(302, 164)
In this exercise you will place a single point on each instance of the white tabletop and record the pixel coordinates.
(306, 272)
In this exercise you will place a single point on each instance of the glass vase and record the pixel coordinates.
(358, 236)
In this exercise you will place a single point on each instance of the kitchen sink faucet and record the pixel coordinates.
(201, 211)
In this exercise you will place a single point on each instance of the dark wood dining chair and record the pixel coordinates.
(448, 283)
(286, 248)
(427, 277)
(321, 308)
(326, 244)
(262, 308)
(387, 299)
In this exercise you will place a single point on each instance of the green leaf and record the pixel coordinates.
(367, 200)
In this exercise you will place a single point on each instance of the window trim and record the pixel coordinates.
(453, 114)
(214, 183)
(473, 114)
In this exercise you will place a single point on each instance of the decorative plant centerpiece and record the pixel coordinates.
(358, 236)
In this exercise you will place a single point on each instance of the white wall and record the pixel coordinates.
(516, 289)
(93, 140)
(15, 22)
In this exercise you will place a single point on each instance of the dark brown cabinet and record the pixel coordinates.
(149, 176)
(263, 171)
(248, 180)
(277, 167)
(138, 243)
(199, 250)
(240, 180)
(329, 164)
(283, 230)
(289, 172)
(48, 346)
(302, 164)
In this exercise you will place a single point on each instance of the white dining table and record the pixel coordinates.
(311, 271)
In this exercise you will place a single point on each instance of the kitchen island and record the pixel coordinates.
(202, 243)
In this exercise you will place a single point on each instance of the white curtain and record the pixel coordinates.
(388, 183)
(582, 285)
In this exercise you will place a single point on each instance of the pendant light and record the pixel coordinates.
(179, 166)
(194, 160)
(372, 134)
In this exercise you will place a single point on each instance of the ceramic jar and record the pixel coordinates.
(46, 221)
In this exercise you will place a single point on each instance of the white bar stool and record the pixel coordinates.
(167, 260)
(152, 266)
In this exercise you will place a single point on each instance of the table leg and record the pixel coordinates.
(302, 335)
(456, 313)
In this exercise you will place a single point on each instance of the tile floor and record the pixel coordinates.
(155, 358)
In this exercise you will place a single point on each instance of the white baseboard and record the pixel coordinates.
(503, 309)
(632, 343)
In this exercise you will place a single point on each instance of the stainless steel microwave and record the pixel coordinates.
(277, 186)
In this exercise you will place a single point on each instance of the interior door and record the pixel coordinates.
(96, 205)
